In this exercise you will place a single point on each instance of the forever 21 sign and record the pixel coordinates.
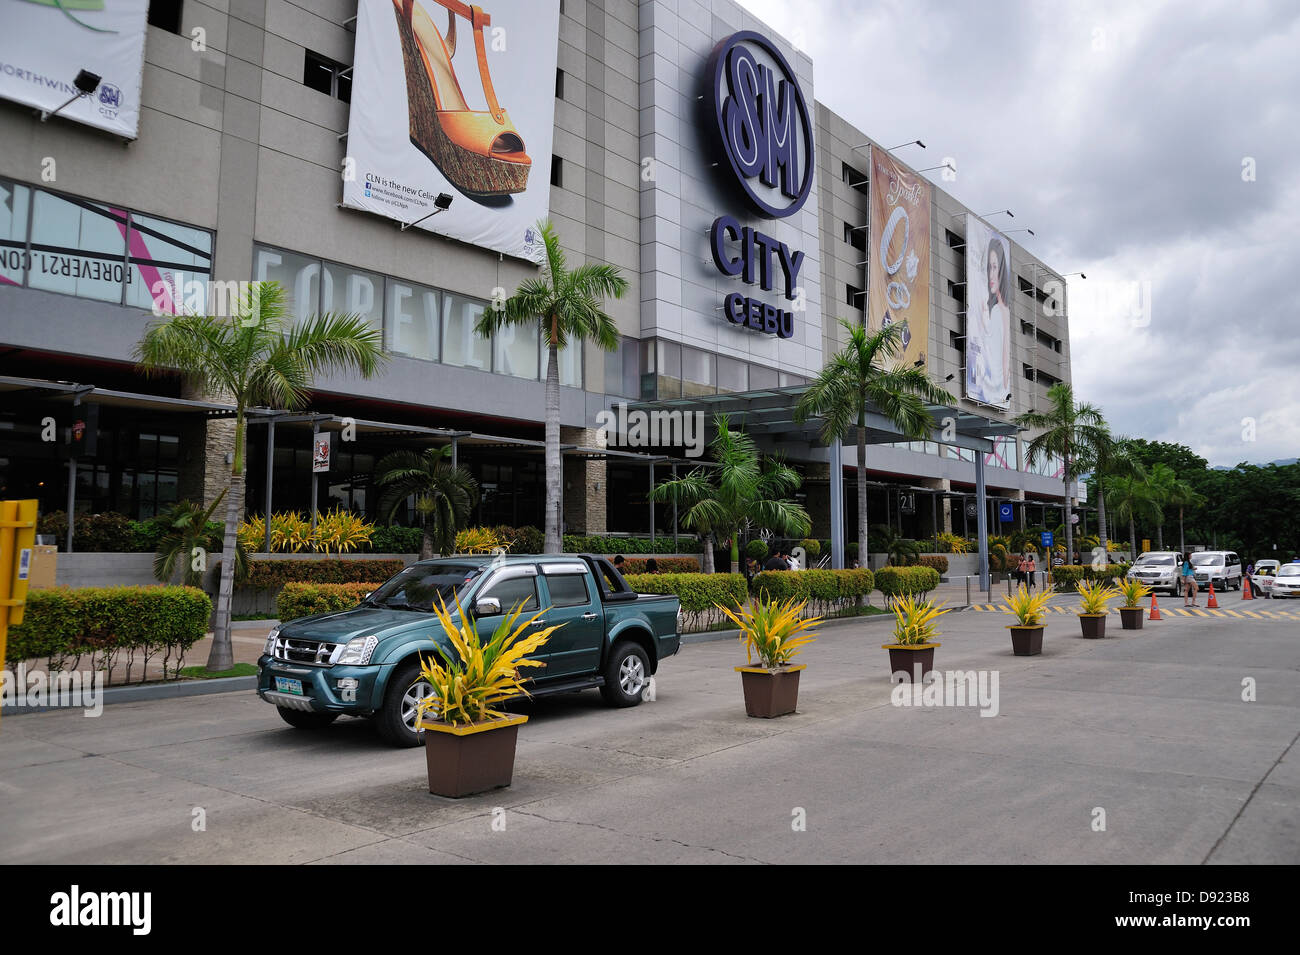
(765, 133)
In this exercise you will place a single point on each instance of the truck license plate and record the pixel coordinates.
(285, 685)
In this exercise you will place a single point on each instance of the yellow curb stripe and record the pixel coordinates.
(1252, 613)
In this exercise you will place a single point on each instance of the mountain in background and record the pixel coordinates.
(1281, 462)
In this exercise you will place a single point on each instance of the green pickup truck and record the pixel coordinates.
(366, 661)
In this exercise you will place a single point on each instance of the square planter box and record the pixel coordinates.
(470, 758)
(1130, 618)
(914, 661)
(770, 693)
(1093, 624)
(1026, 641)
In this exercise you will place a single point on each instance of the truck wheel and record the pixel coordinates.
(626, 675)
(396, 721)
(303, 720)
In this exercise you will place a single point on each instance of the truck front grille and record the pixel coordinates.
(314, 653)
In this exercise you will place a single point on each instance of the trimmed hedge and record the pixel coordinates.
(938, 561)
(302, 600)
(899, 581)
(813, 548)
(111, 626)
(698, 594)
(827, 591)
(596, 544)
(667, 565)
(393, 539)
(265, 574)
(756, 550)
(1066, 577)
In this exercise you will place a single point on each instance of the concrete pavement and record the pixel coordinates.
(1149, 728)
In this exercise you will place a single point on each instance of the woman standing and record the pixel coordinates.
(988, 367)
(1189, 583)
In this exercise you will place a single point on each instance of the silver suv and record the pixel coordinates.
(1159, 570)
(1220, 567)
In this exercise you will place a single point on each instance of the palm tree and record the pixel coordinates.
(1161, 481)
(865, 376)
(1071, 431)
(1110, 457)
(568, 307)
(1182, 495)
(745, 489)
(187, 537)
(900, 550)
(1133, 500)
(255, 356)
(444, 494)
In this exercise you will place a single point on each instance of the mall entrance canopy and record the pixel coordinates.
(768, 414)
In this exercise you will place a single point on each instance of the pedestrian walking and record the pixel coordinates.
(1189, 583)
(1031, 569)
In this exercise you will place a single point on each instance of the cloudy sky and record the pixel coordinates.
(1154, 146)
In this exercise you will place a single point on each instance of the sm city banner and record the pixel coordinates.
(898, 256)
(448, 99)
(988, 315)
(44, 44)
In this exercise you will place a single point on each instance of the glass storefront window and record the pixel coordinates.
(622, 377)
(760, 376)
(348, 291)
(299, 275)
(170, 266)
(15, 202)
(668, 369)
(570, 359)
(461, 345)
(733, 376)
(413, 319)
(78, 248)
(698, 376)
(516, 349)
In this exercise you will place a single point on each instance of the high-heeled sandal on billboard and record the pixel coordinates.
(480, 153)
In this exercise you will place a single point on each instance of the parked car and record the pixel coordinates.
(1261, 581)
(1287, 581)
(1220, 567)
(366, 661)
(1159, 570)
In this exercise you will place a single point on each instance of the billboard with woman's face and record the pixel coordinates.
(988, 315)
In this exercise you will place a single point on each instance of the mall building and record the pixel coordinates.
(682, 144)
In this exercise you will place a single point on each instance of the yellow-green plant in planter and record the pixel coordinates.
(1134, 592)
(1094, 595)
(1030, 611)
(775, 632)
(469, 743)
(911, 655)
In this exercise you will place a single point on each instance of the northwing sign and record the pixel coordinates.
(765, 133)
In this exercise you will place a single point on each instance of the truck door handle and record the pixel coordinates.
(539, 623)
(589, 616)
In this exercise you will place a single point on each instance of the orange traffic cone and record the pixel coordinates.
(1246, 592)
(1155, 609)
(1213, 604)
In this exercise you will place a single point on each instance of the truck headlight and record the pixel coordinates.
(271, 637)
(356, 652)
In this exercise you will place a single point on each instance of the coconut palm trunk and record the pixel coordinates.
(1132, 539)
(707, 554)
(1069, 511)
(222, 655)
(554, 473)
(1102, 538)
(1182, 543)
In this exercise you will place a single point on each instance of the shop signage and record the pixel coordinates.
(764, 135)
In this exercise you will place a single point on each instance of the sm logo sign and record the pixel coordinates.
(762, 122)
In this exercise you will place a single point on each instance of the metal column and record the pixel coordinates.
(270, 465)
(650, 499)
(675, 545)
(315, 430)
(837, 509)
(981, 521)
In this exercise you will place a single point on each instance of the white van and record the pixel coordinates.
(1159, 570)
(1222, 567)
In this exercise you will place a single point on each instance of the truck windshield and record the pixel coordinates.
(423, 587)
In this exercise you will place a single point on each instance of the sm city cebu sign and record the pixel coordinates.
(764, 132)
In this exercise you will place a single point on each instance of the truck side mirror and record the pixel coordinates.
(487, 607)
